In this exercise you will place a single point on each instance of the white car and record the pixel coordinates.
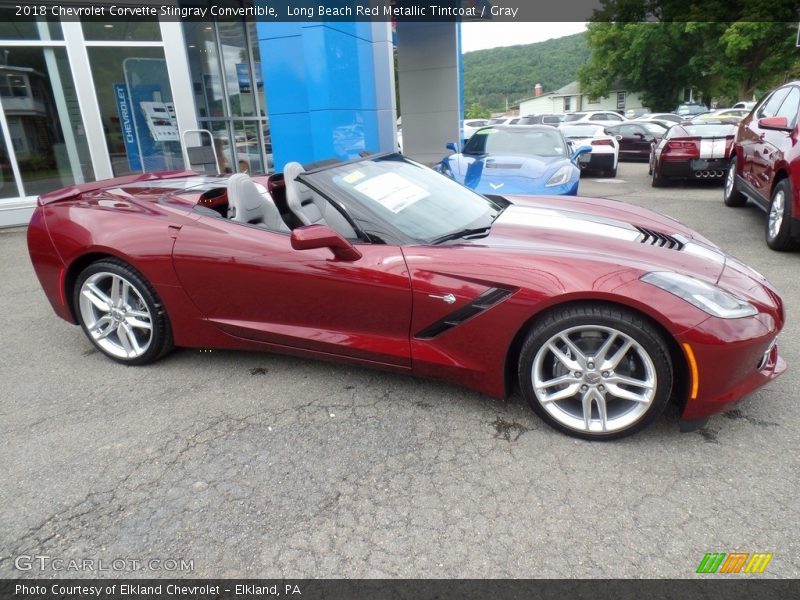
(605, 148)
(668, 119)
(596, 117)
(470, 126)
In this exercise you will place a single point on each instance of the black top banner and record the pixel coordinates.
(405, 10)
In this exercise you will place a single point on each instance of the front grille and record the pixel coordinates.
(656, 238)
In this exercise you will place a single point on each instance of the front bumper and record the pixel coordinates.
(728, 369)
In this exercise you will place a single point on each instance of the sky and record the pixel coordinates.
(480, 35)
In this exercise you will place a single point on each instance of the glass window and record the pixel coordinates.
(135, 100)
(261, 97)
(236, 64)
(420, 203)
(122, 31)
(525, 142)
(44, 120)
(204, 66)
(770, 107)
(790, 106)
(14, 27)
(654, 128)
(248, 147)
(567, 103)
(620, 100)
(228, 88)
(8, 186)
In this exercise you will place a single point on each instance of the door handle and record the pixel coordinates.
(449, 298)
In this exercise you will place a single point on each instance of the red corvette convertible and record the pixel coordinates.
(602, 311)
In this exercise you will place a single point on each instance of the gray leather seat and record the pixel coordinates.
(310, 207)
(246, 204)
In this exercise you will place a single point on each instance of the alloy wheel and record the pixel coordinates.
(776, 213)
(116, 315)
(730, 179)
(594, 379)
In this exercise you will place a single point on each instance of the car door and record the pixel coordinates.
(629, 143)
(775, 143)
(752, 142)
(250, 283)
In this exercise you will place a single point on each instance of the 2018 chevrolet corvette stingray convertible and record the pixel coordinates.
(600, 310)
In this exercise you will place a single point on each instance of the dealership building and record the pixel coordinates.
(84, 100)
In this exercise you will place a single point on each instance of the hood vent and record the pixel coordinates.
(494, 165)
(656, 238)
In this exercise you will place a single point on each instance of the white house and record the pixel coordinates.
(570, 99)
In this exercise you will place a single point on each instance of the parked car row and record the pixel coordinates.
(752, 147)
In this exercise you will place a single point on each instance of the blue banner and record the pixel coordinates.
(126, 125)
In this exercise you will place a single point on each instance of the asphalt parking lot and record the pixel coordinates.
(257, 465)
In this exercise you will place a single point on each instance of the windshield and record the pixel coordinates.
(580, 131)
(710, 130)
(417, 201)
(574, 117)
(656, 128)
(519, 142)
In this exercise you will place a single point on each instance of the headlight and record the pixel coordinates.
(709, 298)
(560, 176)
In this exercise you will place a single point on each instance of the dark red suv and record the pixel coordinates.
(765, 165)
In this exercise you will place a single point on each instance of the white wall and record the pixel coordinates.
(428, 76)
(555, 104)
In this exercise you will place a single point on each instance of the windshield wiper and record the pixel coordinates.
(462, 233)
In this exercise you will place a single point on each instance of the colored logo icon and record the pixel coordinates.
(735, 562)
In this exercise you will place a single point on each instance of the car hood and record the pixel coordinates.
(509, 174)
(604, 231)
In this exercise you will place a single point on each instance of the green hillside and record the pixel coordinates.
(494, 75)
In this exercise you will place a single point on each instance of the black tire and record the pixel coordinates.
(778, 231)
(730, 190)
(140, 298)
(613, 172)
(656, 180)
(586, 321)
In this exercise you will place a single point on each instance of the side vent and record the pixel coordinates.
(483, 302)
(656, 238)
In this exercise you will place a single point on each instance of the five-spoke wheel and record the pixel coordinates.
(779, 218)
(595, 372)
(120, 313)
(731, 194)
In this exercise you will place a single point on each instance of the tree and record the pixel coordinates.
(477, 111)
(650, 58)
(690, 45)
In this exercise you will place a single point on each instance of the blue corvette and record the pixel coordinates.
(516, 160)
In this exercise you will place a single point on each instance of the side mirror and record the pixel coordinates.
(452, 146)
(322, 236)
(618, 138)
(780, 123)
(580, 151)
